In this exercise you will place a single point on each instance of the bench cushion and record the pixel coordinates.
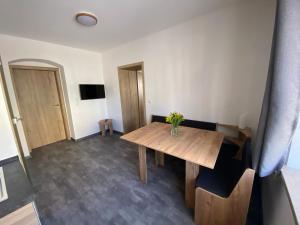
(228, 151)
(222, 179)
(226, 174)
(189, 123)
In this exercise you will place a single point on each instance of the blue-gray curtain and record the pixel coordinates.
(280, 109)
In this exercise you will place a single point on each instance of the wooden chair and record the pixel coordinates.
(223, 194)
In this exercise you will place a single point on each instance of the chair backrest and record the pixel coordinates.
(189, 123)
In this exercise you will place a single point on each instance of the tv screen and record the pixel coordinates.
(91, 91)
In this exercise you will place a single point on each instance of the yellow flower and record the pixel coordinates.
(174, 118)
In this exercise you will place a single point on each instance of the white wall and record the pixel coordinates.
(212, 68)
(79, 66)
(294, 156)
(7, 143)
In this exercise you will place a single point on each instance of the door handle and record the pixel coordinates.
(15, 120)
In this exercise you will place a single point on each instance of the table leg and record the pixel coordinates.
(191, 172)
(143, 163)
(102, 128)
(159, 158)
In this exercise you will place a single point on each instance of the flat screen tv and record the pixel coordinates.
(91, 91)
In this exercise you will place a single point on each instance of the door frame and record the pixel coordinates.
(128, 67)
(3, 86)
(60, 91)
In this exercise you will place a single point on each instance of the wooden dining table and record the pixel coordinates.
(199, 148)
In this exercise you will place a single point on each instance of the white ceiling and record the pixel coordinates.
(119, 21)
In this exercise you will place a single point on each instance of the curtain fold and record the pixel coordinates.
(280, 109)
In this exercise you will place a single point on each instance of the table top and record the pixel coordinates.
(194, 145)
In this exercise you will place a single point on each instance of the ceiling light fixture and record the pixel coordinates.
(86, 19)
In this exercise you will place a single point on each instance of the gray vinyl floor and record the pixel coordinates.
(95, 181)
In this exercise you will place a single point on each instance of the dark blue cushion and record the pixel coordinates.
(161, 119)
(247, 154)
(189, 123)
(222, 179)
(226, 174)
(228, 151)
(199, 125)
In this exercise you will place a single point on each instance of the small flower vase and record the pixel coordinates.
(174, 130)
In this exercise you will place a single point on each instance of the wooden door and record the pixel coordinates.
(129, 99)
(39, 106)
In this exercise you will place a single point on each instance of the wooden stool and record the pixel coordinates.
(106, 124)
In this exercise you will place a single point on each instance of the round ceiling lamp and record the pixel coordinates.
(86, 19)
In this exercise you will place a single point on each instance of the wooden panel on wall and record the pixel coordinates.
(134, 100)
(125, 97)
(129, 99)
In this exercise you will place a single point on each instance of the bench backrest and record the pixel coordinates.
(188, 123)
